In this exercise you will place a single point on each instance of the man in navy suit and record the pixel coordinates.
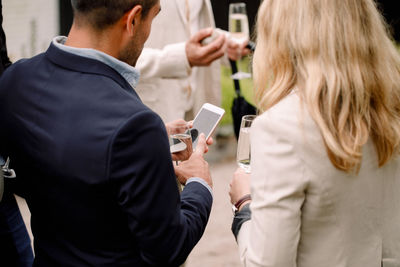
(93, 162)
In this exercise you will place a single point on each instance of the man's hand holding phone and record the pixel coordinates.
(179, 151)
(195, 166)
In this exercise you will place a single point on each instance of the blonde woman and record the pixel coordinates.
(325, 181)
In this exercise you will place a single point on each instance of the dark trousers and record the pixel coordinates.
(15, 244)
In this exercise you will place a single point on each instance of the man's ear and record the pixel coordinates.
(133, 19)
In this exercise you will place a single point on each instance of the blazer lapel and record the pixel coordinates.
(180, 5)
(209, 12)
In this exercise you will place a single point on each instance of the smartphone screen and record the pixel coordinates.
(204, 122)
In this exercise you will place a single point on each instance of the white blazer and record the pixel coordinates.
(164, 67)
(305, 212)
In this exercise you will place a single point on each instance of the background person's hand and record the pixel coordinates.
(239, 186)
(236, 51)
(195, 166)
(203, 55)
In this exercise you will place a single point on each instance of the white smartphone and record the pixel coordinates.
(206, 121)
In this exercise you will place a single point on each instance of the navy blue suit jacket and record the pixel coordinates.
(94, 165)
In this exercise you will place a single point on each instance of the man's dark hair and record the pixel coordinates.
(103, 13)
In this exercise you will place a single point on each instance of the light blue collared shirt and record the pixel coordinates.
(130, 74)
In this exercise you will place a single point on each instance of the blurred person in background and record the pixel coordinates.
(325, 163)
(179, 73)
(15, 244)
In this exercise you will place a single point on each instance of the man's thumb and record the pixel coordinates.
(201, 145)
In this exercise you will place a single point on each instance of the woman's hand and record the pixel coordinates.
(239, 186)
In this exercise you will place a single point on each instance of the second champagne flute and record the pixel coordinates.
(243, 156)
(239, 30)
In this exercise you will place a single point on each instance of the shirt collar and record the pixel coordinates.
(130, 74)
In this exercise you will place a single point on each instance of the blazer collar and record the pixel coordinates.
(85, 65)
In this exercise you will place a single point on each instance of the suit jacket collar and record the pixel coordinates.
(85, 65)
(130, 74)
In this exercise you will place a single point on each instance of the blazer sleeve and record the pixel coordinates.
(169, 62)
(278, 187)
(165, 225)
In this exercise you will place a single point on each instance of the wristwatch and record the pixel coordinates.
(236, 206)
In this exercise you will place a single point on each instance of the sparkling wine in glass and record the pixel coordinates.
(239, 30)
(180, 141)
(243, 156)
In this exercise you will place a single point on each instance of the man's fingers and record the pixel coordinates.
(243, 45)
(246, 52)
(233, 45)
(201, 147)
(213, 51)
(214, 56)
(200, 35)
(216, 45)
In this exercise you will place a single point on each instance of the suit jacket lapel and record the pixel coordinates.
(209, 12)
(180, 5)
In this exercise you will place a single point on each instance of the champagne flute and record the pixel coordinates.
(180, 141)
(243, 155)
(239, 31)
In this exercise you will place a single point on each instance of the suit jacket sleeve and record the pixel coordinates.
(278, 186)
(169, 62)
(165, 225)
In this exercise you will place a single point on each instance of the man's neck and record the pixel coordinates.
(84, 37)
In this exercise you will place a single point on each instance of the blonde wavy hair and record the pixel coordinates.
(340, 57)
